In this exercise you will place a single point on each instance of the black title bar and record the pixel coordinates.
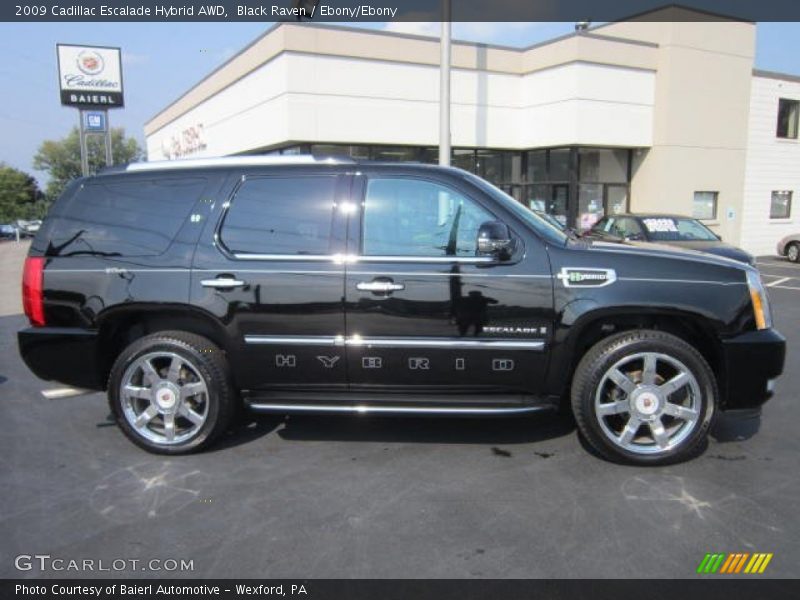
(398, 10)
(712, 588)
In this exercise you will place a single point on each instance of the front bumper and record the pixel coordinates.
(750, 362)
(62, 354)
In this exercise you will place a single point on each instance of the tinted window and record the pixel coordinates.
(116, 217)
(277, 215)
(627, 227)
(410, 217)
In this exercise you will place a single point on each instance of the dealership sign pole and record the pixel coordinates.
(90, 79)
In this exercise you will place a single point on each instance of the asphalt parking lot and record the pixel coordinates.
(376, 498)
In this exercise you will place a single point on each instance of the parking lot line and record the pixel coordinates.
(778, 281)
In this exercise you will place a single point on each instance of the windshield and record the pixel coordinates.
(548, 231)
(677, 229)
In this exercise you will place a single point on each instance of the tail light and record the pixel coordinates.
(32, 295)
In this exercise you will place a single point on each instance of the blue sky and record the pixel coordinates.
(162, 60)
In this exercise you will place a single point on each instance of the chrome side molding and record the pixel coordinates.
(396, 342)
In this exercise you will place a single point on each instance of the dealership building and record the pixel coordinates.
(629, 116)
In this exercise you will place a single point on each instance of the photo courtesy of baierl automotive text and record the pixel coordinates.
(516, 291)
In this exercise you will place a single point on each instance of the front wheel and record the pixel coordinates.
(170, 392)
(644, 397)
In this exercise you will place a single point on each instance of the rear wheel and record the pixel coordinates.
(644, 397)
(793, 252)
(170, 392)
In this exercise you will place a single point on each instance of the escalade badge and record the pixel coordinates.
(586, 277)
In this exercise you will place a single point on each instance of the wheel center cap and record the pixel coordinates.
(646, 403)
(166, 396)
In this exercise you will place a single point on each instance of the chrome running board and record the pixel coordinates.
(369, 409)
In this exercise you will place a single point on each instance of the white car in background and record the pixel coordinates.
(790, 247)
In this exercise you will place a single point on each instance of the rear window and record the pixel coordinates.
(130, 217)
(668, 229)
(281, 215)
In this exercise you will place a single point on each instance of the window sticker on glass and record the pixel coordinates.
(660, 225)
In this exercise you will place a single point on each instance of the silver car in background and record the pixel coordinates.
(790, 247)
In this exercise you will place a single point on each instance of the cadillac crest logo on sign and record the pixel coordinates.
(90, 62)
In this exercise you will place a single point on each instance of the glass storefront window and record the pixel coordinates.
(559, 164)
(463, 159)
(491, 166)
(590, 205)
(537, 197)
(616, 199)
(361, 152)
(395, 153)
(499, 166)
(429, 155)
(537, 166)
(602, 165)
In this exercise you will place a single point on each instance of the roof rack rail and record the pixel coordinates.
(240, 161)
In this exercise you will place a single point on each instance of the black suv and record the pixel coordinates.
(308, 285)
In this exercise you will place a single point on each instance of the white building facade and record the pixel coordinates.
(631, 116)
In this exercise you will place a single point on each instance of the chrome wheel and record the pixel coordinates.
(648, 403)
(164, 398)
(793, 252)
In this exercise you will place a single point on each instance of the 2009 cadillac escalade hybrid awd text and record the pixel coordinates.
(334, 286)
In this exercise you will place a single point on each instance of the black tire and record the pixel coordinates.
(689, 434)
(206, 361)
(793, 252)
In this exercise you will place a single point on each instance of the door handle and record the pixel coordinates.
(379, 287)
(223, 282)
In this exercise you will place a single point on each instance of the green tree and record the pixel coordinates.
(61, 159)
(20, 197)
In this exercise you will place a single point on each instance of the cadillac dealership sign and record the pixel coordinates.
(90, 76)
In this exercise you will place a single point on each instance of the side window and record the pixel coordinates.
(412, 217)
(280, 215)
(629, 228)
(129, 216)
(602, 225)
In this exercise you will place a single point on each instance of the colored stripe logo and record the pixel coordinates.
(734, 563)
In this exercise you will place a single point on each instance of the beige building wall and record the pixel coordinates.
(700, 118)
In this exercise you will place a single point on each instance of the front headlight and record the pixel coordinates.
(758, 296)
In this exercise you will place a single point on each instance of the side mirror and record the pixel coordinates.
(495, 239)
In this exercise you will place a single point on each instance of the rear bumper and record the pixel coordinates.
(751, 361)
(62, 354)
